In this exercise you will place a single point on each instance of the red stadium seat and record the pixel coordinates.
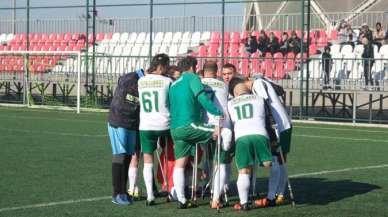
(52, 37)
(256, 64)
(75, 36)
(108, 35)
(333, 35)
(67, 36)
(235, 38)
(267, 67)
(215, 38)
(202, 51)
(245, 64)
(213, 50)
(279, 66)
(100, 36)
(313, 49)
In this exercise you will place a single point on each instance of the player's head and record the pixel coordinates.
(174, 72)
(159, 64)
(210, 69)
(188, 64)
(228, 72)
(236, 84)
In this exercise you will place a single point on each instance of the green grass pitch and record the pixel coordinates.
(58, 164)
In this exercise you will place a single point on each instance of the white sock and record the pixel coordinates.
(228, 170)
(243, 183)
(282, 180)
(148, 178)
(273, 181)
(179, 183)
(132, 176)
(217, 189)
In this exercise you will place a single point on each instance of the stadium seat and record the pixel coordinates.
(256, 63)
(195, 39)
(115, 37)
(346, 49)
(245, 64)
(313, 49)
(335, 48)
(235, 38)
(215, 38)
(132, 38)
(205, 36)
(279, 72)
(176, 39)
(159, 36)
(186, 37)
(167, 38)
(123, 38)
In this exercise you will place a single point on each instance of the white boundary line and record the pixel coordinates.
(342, 129)
(38, 132)
(340, 123)
(341, 138)
(40, 205)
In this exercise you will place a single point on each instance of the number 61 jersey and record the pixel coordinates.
(248, 115)
(153, 96)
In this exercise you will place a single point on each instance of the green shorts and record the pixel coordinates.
(251, 147)
(149, 139)
(186, 137)
(285, 140)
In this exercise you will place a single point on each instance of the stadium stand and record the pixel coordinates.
(133, 49)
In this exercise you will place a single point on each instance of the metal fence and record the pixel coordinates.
(283, 22)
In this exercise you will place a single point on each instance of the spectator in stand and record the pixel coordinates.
(365, 32)
(263, 42)
(251, 44)
(368, 61)
(327, 63)
(273, 45)
(284, 43)
(350, 39)
(294, 43)
(378, 35)
(342, 32)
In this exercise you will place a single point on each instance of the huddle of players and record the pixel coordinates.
(193, 111)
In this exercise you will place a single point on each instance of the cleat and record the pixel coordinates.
(265, 202)
(186, 205)
(122, 199)
(135, 195)
(241, 207)
(150, 203)
(280, 199)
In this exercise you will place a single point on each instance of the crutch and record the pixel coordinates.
(166, 167)
(288, 180)
(253, 179)
(195, 176)
(219, 157)
(160, 165)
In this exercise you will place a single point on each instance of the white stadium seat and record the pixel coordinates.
(176, 39)
(167, 38)
(124, 37)
(141, 37)
(346, 49)
(132, 38)
(195, 39)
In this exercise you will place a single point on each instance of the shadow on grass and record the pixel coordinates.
(316, 191)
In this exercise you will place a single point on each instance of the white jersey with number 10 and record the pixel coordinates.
(247, 113)
(153, 95)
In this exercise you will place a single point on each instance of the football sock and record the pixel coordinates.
(273, 181)
(132, 176)
(282, 180)
(124, 177)
(243, 183)
(117, 168)
(179, 183)
(148, 180)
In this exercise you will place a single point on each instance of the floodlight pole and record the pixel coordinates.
(94, 88)
(308, 57)
(87, 49)
(222, 32)
(151, 29)
(301, 97)
(14, 17)
(26, 61)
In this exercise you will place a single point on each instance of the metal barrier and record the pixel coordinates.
(283, 22)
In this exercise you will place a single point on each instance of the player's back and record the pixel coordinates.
(220, 97)
(247, 112)
(153, 95)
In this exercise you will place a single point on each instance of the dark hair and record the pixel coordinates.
(230, 65)
(159, 60)
(327, 48)
(172, 69)
(210, 66)
(285, 33)
(200, 73)
(234, 82)
(188, 62)
(378, 23)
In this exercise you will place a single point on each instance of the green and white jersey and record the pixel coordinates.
(187, 97)
(264, 89)
(153, 95)
(247, 113)
(219, 97)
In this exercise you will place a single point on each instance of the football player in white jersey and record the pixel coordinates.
(248, 114)
(278, 175)
(219, 93)
(154, 116)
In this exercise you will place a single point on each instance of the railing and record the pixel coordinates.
(193, 23)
